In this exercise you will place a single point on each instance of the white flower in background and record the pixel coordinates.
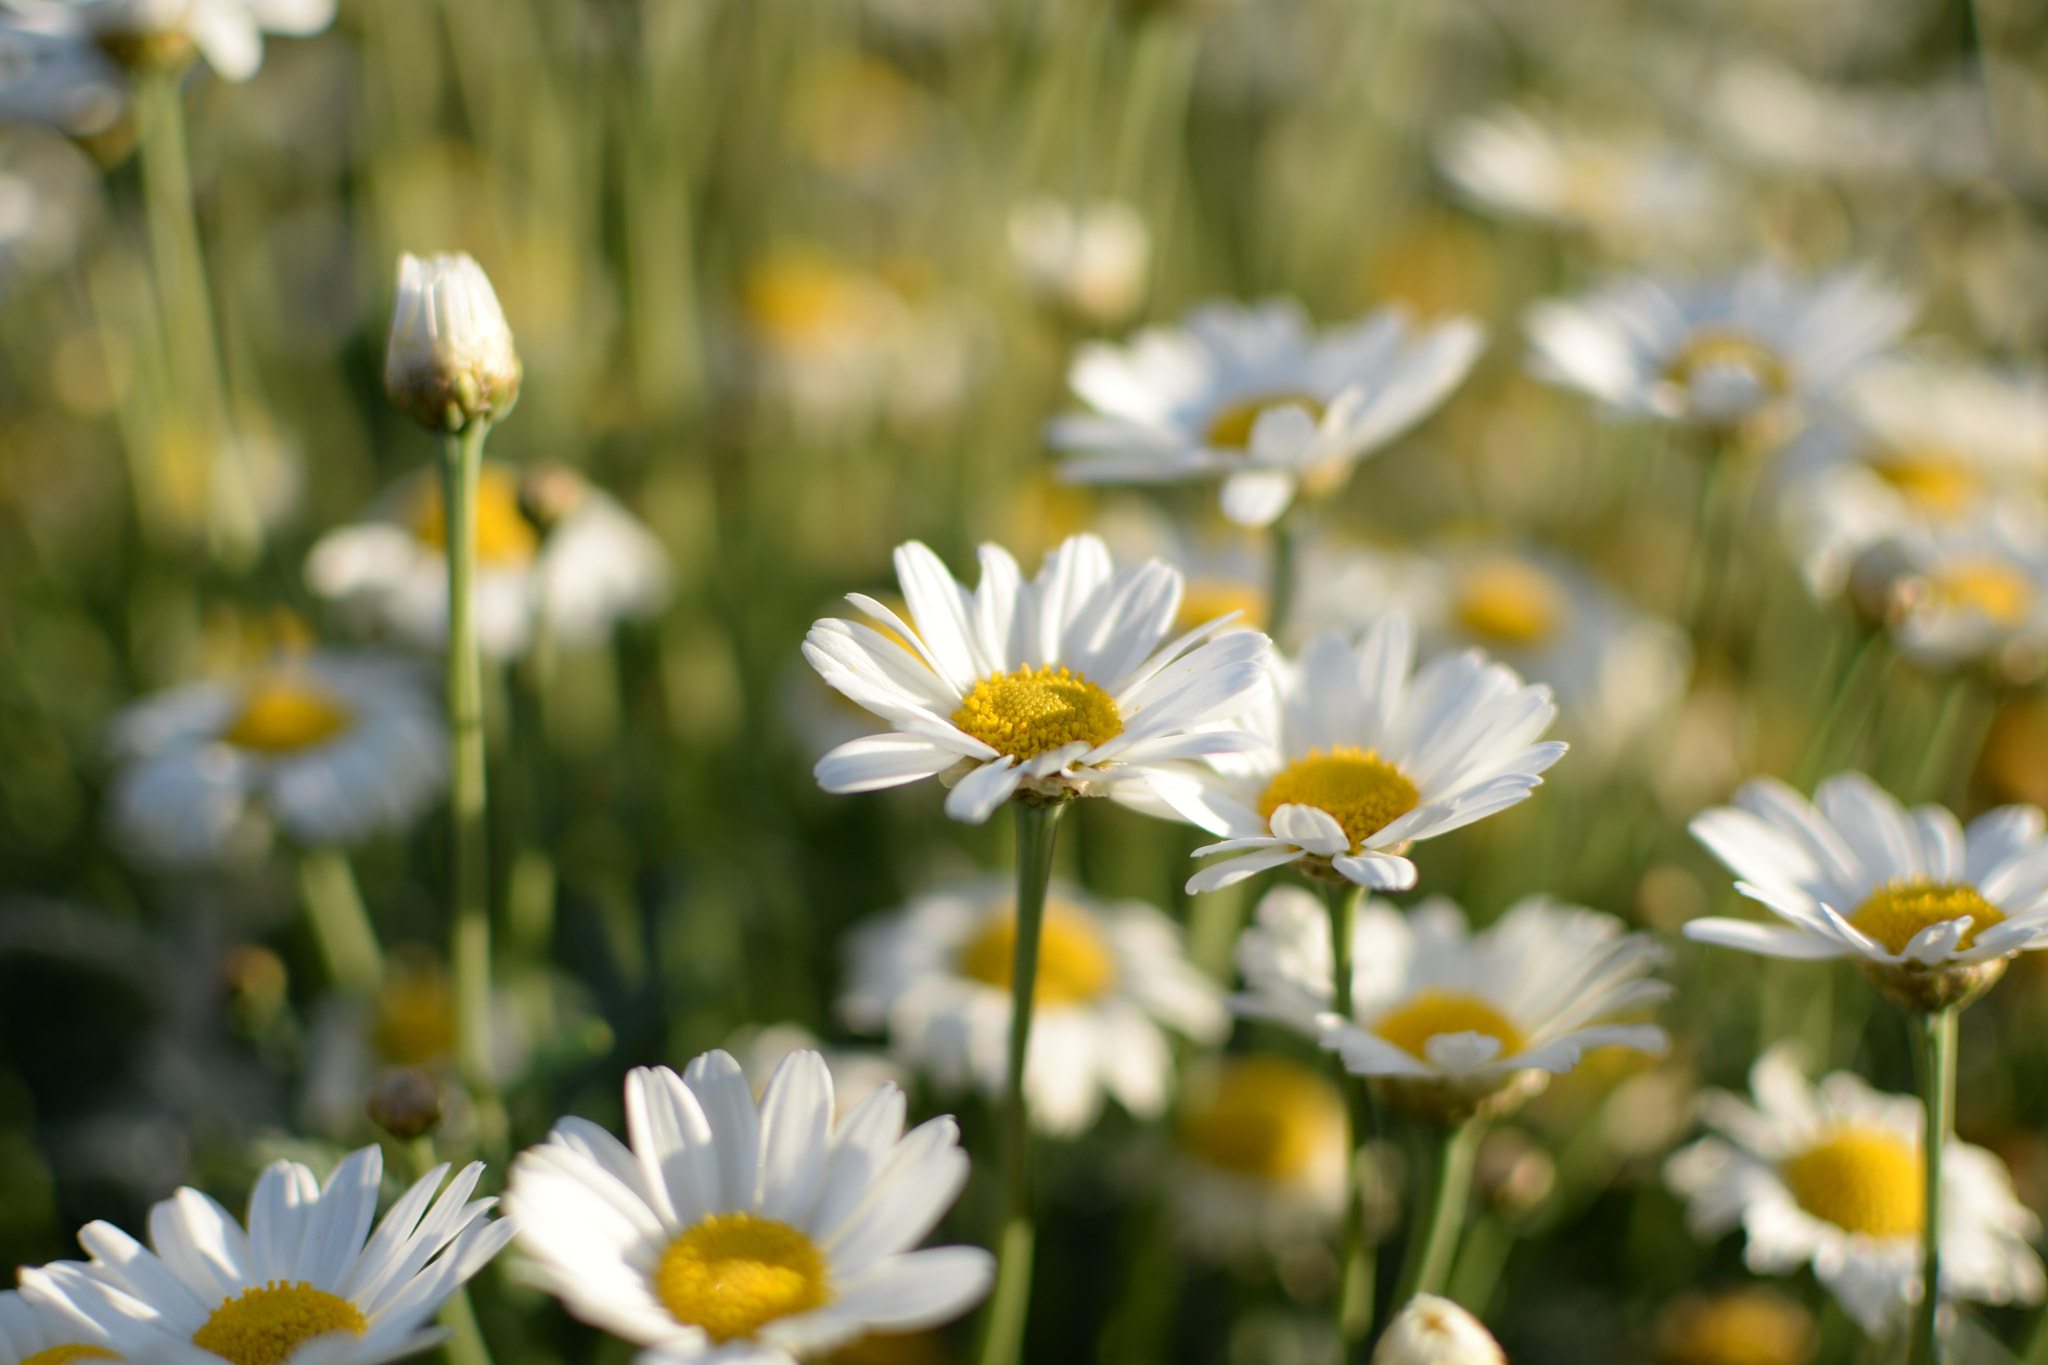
(1363, 755)
(1260, 1148)
(1092, 260)
(1919, 445)
(1435, 1331)
(555, 556)
(1784, 121)
(450, 358)
(48, 1333)
(935, 976)
(1717, 351)
(1253, 395)
(855, 1071)
(1445, 1014)
(1831, 1176)
(1634, 191)
(734, 1231)
(1065, 685)
(306, 1282)
(329, 747)
(1974, 591)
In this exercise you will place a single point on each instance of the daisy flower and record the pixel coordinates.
(1446, 1017)
(301, 1284)
(1361, 756)
(1717, 352)
(1253, 395)
(48, 1334)
(1925, 906)
(1261, 1145)
(1090, 260)
(554, 555)
(1969, 592)
(1062, 686)
(936, 977)
(329, 747)
(1829, 1175)
(732, 1231)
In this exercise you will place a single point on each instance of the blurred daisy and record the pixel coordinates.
(935, 976)
(34, 1333)
(1857, 875)
(553, 553)
(1830, 1176)
(1089, 260)
(1445, 1017)
(1775, 117)
(329, 747)
(1260, 1149)
(1062, 686)
(734, 1231)
(1253, 395)
(301, 1284)
(1721, 351)
(1363, 755)
(1969, 592)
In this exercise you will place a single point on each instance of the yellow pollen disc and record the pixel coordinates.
(1511, 601)
(415, 1022)
(1231, 427)
(735, 1271)
(1711, 349)
(1205, 599)
(267, 1324)
(801, 301)
(1264, 1116)
(1074, 964)
(1861, 1180)
(503, 534)
(1898, 910)
(68, 1352)
(284, 714)
(1036, 710)
(1363, 792)
(1744, 1327)
(1431, 1013)
(1998, 590)
(1932, 480)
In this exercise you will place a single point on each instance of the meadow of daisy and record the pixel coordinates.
(961, 682)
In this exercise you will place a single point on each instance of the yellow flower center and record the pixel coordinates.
(415, 1022)
(800, 301)
(1745, 1327)
(267, 1324)
(68, 1352)
(1205, 599)
(1363, 792)
(1265, 1116)
(1431, 1013)
(1036, 710)
(285, 714)
(1511, 601)
(1861, 1180)
(735, 1271)
(1074, 964)
(1230, 428)
(1935, 481)
(1900, 909)
(503, 534)
(1713, 349)
(1991, 586)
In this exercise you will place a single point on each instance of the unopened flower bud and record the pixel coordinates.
(451, 360)
(1434, 1331)
(406, 1102)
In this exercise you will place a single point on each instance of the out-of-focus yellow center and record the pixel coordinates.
(1990, 586)
(1431, 1013)
(1744, 1327)
(415, 1022)
(504, 536)
(1511, 601)
(1074, 963)
(1898, 910)
(1935, 481)
(1035, 710)
(1356, 786)
(798, 301)
(267, 1323)
(1862, 1180)
(1712, 349)
(1205, 599)
(286, 713)
(733, 1272)
(1231, 426)
(69, 1352)
(1264, 1116)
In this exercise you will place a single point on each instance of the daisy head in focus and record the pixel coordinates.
(936, 977)
(1066, 685)
(1746, 352)
(1254, 396)
(1363, 754)
(556, 557)
(1261, 1146)
(735, 1231)
(327, 748)
(1446, 1019)
(307, 1281)
(1830, 1176)
(1929, 910)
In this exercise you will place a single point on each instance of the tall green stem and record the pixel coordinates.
(470, 943)
(1002, 1339)
(1354, 1287)
(1430, 1268)
(1937, 1058)
(1280, 600)
(348, 941)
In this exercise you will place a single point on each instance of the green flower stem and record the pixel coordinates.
(348, 941)
(470, 944)
(1280, 599)
(1002, 1338)
(1431, 1267)
(1355, 1283)
(1937, 1058)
